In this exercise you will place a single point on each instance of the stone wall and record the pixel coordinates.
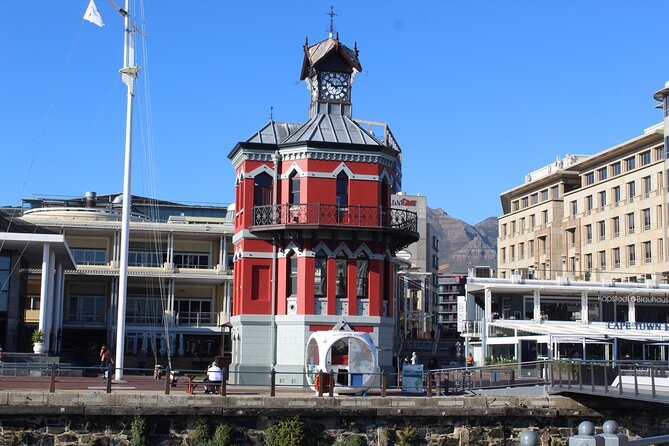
(447, 421)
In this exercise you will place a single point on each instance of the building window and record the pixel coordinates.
(589, 178)
(602, 230)
(514, 205)
(513, 227)
(616, 169)
(513, 253)
(191, 260)
(631, 255)
(320, 274)
(630, 223)
(574, 208)
(342, 189)
(660, 215)
(361, 281)
(615, 226)
(647, 186)
(544, 217)
(544, 195)
(534, 198)
(194, 311)
(644, 158)
(588, 262)
(631, 191)
(531, 248)
(342, 275)
(660, 249)
(294, 184)
(146, 259)
(87, 309)
(602, 199)
(646, 219)
(615, 253)
(5, 270)
(521, 250)
(525, 202)
(291, 282)
(555, 192)
(647, 253)
(616, 195)
(629, 164)
(603, 174)
(522, 224)
(542, 245)
(571, 237)
(588, 234)
(533, 222)
(503, 255)
(602, 260)
(262, 190)
(588, 204)
(503, 229)
(89, 256)
(659, 153)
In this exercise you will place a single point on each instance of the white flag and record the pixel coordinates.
(92, 14)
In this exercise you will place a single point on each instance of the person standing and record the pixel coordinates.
(106, 359)
(469, 360)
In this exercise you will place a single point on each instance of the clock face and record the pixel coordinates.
(334, 86)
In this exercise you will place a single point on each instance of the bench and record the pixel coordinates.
(197, 380)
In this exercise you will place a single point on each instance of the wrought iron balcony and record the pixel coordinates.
(334, 215)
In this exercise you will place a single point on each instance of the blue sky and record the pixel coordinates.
(478, 93)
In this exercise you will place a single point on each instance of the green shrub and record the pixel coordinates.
(222, 436)
(353, 440)
(407, 436)
(138, 432)
(200, 436)
(287, 432)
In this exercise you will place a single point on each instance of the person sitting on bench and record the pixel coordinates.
(213, 379)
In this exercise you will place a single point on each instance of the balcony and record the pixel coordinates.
(197, 319)
(401, 223)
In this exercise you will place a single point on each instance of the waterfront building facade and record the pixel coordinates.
(315, 233)
(179, 279)
(600, 217)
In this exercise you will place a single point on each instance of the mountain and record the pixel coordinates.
(462, 245)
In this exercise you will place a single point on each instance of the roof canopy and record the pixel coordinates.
(319, 52)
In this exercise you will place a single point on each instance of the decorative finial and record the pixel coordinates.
(271, 114)
(332, 16)
(355, 47)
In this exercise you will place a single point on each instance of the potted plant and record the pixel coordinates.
(38, 341)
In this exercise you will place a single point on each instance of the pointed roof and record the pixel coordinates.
(315, 53)
(332, 128)
(273, 132)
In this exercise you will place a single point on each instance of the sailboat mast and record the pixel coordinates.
(128, 75)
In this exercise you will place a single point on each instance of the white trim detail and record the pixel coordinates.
(342, 248)
(258, 170)
(293, 168)
(322, 246)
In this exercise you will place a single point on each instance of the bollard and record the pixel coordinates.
(512, 378)
(611, 436)
(320, 383)
(52, 387)
(384, 383)
(529, 438)
(429, 384)
(168, 380)
(585, 437)
(224, 382)
(331, 382)
(109, 377)
(272, 382)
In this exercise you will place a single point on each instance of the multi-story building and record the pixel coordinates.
(416, 285)
(599, 217)
(315, 234)
(179, 278)
(449, 287)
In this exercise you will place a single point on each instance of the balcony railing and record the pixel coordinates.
(331, 214)
(197, 319)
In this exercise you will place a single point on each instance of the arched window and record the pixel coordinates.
(342, 189)
(294, 196)
(362, 280)
(262, 190)
(342, 275)
(320, 274)
(291, 272)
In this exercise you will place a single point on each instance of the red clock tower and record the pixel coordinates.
(314, 232)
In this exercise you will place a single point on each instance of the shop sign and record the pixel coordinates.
(633, 298)
(648, 326)
(412, 378)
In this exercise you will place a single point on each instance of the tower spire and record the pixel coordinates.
(332, 16)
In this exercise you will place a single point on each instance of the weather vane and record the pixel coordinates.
(332, 16)
(271, 113)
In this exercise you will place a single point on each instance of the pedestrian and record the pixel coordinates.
(470, 360)
(105, 359)
(414, 358)
(141, 361)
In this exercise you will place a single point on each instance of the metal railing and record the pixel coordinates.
(332, 214)
(586, 436)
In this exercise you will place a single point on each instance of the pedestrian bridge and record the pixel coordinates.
(634, 380)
